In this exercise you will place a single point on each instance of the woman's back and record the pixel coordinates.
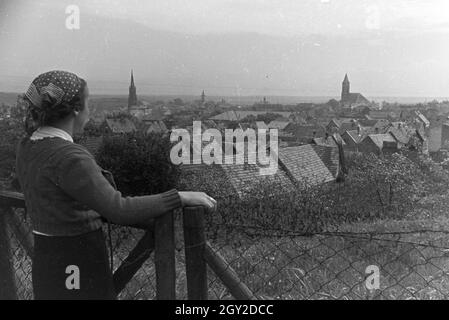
(40, 166)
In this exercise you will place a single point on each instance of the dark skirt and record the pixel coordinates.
(57, 261)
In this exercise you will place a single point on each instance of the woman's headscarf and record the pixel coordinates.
(56, 86)
(47, 93)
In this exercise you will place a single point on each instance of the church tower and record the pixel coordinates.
(345, 88)
(132, 96)
(203, 97)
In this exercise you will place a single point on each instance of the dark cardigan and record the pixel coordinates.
(66, 192)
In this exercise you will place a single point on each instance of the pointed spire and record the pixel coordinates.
(132, 97)
(203, 97)
(132, 78)
(346, 78)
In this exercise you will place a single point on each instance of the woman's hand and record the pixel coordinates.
(193, 199)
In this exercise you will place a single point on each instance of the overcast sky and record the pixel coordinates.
(232, 47)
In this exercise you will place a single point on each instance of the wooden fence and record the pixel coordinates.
(160, 238)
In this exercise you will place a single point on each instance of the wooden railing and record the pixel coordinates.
(160, 238)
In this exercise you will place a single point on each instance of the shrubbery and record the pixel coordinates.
(140, 163)
(12, 131)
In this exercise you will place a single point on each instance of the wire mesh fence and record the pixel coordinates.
(284, 264)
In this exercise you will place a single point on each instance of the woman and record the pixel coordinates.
(68, 196)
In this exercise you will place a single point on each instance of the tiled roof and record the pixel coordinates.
(329, 156)
(261, 125)
(355, 135)
(304, 165)
(356, 98)
(400, 134)
(329, 140)
(302, 132)
(380, 138)
(157, 126)
(244, 176)
(423, 118)
(207, 124)
(280, 125)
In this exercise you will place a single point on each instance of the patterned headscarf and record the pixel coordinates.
(60, 86)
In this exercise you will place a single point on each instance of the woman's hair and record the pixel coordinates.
(50, 111)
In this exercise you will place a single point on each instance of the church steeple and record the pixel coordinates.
(132, 78)
(132, 96)
(345, 88)
(203, 97)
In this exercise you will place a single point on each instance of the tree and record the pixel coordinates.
(11, 131)
(140, 163)
(178, 102)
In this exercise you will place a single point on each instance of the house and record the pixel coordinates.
(276, 124)
(305, 134)
(244, 176)
(261, 125)
(156, 127)
(375, 143)
(438, 137)
(341, 125)
(352, 139)
(119, 125)
(420, 117)
(304, 166)
(400, 134)
(333, 158)
(328, 140)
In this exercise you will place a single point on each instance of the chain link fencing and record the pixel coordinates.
(277, 263)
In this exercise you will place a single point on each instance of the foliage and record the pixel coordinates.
(12, 130)
(140, 163)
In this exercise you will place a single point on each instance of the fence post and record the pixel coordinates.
(227, 275)
(8, 289)
(164, 257)
(195, 240)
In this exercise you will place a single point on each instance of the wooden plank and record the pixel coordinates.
(11, 199)
(164, 257)
(134, 261)
(227, 275)
(195, 240)
(8, 290)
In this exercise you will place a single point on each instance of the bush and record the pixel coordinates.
(12, 131)
(140, 163)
